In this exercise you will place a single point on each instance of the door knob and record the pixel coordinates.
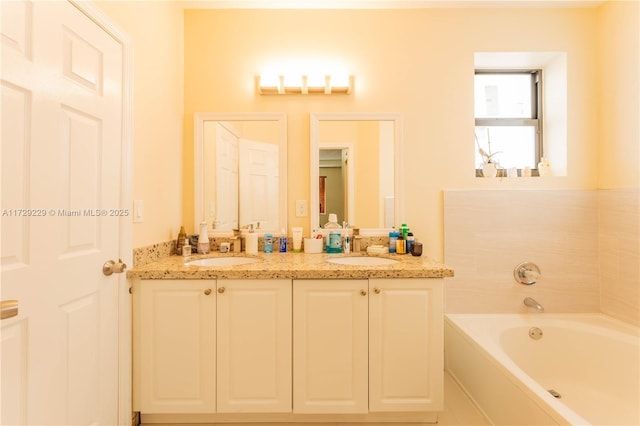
(9, 308)
(111, 267)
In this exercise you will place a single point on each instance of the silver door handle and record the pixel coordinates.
(111, 267)
(9, 308)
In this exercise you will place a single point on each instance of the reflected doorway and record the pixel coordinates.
(335, 177)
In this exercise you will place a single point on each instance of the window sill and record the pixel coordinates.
(502, 173)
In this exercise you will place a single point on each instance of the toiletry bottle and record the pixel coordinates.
(182, 241)
(296, 233)
(203, 240)
(393, 239)
(357, 244)
(251, 243)
(404, 230)
(283, 241)
(333, 222)
(400, 245)
(410, 241)
(267, 243)
(335, 243)
(346, 246)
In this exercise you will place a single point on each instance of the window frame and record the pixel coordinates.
(536, 113)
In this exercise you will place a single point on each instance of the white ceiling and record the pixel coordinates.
(383, 4)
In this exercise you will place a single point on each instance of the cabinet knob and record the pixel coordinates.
(363, 292)
(207, 292)
(221, 290)
(376, 290)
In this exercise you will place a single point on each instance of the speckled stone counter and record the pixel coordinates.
(290, 265)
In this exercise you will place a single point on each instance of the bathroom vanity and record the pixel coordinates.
(289, 338)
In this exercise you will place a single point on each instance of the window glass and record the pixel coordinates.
(509, 146)
(503, 95)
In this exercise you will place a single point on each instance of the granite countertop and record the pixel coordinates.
(291, 265)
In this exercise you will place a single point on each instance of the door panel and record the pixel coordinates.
(405, 345)
(254, 350)
(62, 108)
(330, 346)
(176, 358)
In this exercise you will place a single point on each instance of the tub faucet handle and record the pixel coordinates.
(526, 273)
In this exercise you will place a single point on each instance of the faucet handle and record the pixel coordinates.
(526, 273)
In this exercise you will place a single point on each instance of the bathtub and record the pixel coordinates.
(589, 361)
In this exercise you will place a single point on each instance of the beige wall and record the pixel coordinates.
(156, 29)
(417, 62)
(619, 94)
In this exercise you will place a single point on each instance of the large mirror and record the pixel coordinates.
(241, 170)
(356, 169)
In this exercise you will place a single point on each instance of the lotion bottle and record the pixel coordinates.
(296, 233)
(251, 243)
(203, 239)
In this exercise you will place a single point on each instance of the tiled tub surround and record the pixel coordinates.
(290, 265)
(619, 251)
(586, 244)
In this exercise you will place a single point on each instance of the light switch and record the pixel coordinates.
(301, 208)
(138, 211)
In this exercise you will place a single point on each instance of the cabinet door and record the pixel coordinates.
(175, 335)
(254, 346)
(406, 345)
(330, 346)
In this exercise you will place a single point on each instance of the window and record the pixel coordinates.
(508, 118)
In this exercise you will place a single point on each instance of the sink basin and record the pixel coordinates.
(362, 261)
(223, 261)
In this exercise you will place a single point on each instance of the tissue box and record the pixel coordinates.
(313, 245)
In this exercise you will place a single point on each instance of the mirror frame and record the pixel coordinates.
(398, 146)
(199, 119)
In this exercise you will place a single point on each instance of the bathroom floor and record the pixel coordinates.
(458, 411)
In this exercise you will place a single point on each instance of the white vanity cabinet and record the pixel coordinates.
(254, 346)
(283, 350)
(203, 346)
(368, 345)
(174, 336)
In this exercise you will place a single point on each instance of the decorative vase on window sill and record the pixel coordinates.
(489, 169)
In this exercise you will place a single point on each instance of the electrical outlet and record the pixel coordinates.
(138, 211)
(301, 208)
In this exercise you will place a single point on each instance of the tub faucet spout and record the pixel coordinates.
(533, 304)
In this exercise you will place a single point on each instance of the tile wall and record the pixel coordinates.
(619, 244)
(585, 243)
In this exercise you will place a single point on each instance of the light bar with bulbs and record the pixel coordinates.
(304, 85)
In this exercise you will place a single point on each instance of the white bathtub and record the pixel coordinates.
(590, 360)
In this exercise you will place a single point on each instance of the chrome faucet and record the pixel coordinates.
(530, 302)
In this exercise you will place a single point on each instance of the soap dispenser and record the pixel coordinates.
(203, 239)
(251, 243)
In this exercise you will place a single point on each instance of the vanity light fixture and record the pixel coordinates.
(304, 85)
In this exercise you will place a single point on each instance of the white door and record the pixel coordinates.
(259, 187)
(406, 366)
(254, 346)
(330, 346)
(175, 358)
(62, 138)
(226, 178)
